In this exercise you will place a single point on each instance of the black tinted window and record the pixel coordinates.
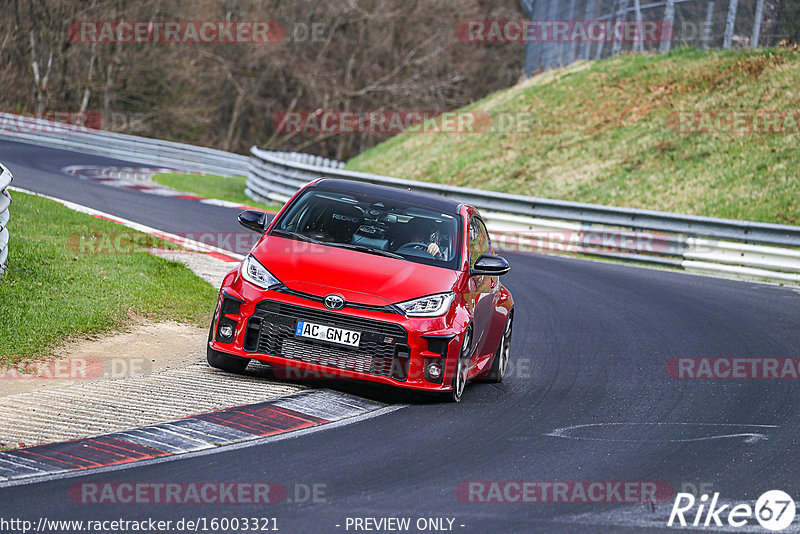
(479, 242)
(414, 232)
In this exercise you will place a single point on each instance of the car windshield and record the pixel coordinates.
(374, 225)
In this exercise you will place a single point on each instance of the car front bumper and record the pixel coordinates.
(394, 349)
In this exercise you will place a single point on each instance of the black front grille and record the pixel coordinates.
(382, 349)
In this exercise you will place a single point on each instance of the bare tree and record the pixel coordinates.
(356, 55)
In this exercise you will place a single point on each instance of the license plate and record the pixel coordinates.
(330, 334)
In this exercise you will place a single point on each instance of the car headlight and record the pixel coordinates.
(430, 306)
(257, 274)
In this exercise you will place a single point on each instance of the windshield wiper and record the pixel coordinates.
(368, 250)
(289, 233)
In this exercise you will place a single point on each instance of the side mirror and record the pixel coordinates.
(254, 220)
(490, 265)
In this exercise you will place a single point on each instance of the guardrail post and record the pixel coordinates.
(5, 202)
(568, 49)
(638, 45)
(707, 27)
(612, 17)
(757, 24)
(620, 19)
(667, 28)
(730, 23)
(588, 14)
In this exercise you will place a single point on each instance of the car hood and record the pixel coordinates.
(357, 276)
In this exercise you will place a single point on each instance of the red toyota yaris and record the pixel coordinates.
(367, 282)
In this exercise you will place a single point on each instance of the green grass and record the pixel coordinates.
(211, 186)
(602, 132)
(58, 288)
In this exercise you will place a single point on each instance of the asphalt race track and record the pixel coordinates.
(38, 169)
(591, 345)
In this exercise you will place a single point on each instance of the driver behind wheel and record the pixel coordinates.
(422, 230)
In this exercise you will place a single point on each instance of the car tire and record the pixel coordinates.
(501, 355)
(220, 360)
(459, 380)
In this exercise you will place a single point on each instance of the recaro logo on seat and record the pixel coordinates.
(334, 302)
(340, 217)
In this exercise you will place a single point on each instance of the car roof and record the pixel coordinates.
(445, 205)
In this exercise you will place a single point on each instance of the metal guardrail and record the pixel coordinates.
(276, 176)
(516, 222)
(5, 202)
(308, 159)
(545, 225)
(523, 234)
(145, 150)
(272, 175)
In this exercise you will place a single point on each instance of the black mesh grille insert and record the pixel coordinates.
(377, 353)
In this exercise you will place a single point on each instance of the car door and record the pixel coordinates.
(481, 287)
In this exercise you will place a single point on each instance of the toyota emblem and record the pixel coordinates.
(334, 302)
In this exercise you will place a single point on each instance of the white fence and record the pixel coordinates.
(5, 203)
(698, 23)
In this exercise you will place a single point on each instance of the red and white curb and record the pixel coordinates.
(204, 433)
(140, 179)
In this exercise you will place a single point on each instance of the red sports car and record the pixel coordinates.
(367, 282)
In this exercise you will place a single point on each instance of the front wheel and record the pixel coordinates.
(500, 360)
(459, 380)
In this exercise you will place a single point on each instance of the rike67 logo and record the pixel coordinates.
(774, 510)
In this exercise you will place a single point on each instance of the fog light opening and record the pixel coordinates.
(226, 331)
(435, 370)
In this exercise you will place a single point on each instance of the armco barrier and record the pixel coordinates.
(523, 223)
(276, 176)
(5, 202)
(132, 148)
(694, 243)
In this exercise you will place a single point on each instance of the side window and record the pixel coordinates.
(478, 240)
